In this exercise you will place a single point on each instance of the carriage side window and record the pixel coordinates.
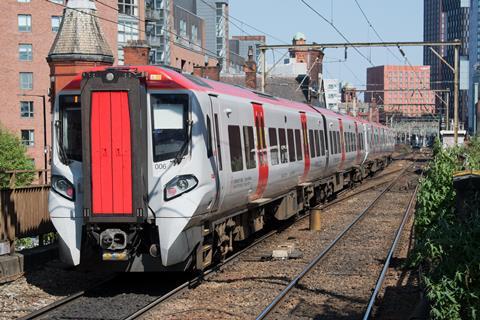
(283, 145)
(70, 128)
(298, 145)
(312, 144)
(346, 140)
(339, 148)
(335, 147)
(332, 148)
(317, 143)
(236, 158)
(291, 145)
(209, 138)
(272, 135)
(219, 150)
(170, 119)
(322, 142)
(249, 147)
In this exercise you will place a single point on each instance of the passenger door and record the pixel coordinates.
(216, 133)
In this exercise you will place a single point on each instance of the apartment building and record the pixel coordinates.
(28, 31)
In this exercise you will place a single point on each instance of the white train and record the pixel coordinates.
(158, 170)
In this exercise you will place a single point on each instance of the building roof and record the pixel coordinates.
(80, 37)
(299, 36)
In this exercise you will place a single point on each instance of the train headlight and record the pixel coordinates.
(63, 187)
(180, 185)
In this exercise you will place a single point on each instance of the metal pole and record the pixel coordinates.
(45, 159)
(456, 95)
(447, 114)
(264, 69)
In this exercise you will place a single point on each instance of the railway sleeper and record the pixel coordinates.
(219, 237)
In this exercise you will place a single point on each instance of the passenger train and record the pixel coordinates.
(155, 170)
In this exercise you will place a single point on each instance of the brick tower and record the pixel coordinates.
(79, 45)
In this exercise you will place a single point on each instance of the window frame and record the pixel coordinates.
(291, 145)
(30, 112)
(28, 22)
(30, 142)
(238, 148)
(298, 144)
(274, 145)
(249, 147)
(22, 80)
(28, 52)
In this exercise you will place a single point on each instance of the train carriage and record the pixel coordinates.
(157, 170)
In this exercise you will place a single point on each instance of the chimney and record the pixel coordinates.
(208, 72)
(136, 52)
(79, 45)
(315, 68)
(250, 69)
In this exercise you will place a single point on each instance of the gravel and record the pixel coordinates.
(243, 289)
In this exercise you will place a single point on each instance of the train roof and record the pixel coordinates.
(159, 77)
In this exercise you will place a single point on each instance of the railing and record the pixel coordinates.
(38, 177)
(24, 210)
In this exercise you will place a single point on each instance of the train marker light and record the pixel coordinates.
(156, 77)
(180, 185)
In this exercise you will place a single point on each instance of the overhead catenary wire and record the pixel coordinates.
(213, 54)
(375, 30)
(337, 30)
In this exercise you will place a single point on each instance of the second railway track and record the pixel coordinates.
(110, 301)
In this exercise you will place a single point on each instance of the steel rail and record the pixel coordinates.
(230, 259)
(59, 303)
(265, 312)
(398, 234)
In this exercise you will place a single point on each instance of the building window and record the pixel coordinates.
(26, 109)
(127, 31)
(56, 20)
(57, 1)
(23, 1)
(25, 52)
(195, 35)
(26, 80)
(24, 23)
(28, 138)
(128, 7)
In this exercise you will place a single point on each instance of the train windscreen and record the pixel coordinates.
(70, 128)
(169, 124)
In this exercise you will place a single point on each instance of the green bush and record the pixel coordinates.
(13, 157)
(447, 246)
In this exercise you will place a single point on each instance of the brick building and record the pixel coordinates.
(28, 31)
(401, 89)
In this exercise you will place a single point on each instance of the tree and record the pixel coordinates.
(13, 156)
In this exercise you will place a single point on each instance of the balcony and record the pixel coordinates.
(153, 14)
(154, 41)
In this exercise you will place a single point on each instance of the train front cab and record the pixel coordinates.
(118, 193)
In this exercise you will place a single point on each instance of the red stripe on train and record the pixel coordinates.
(306, 170)
(259, 120)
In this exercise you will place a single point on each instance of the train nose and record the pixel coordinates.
(113, 239)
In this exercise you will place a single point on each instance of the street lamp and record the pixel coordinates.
(45, 159)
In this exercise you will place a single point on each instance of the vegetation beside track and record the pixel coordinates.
(448, 244)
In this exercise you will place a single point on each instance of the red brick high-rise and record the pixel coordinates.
(401, 89)
(28, 30)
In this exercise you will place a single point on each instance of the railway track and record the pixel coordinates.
(86, 304)
(315, 262)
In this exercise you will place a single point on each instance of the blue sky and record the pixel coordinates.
(394, 20)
